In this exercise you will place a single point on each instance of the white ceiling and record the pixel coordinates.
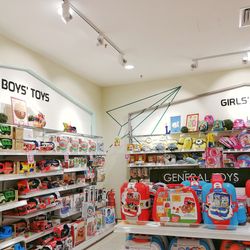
(160, 37)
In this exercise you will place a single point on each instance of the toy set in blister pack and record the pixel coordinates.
(135, 201)
(188, 244)
(143, 242)
(220, 207)
(176, 203)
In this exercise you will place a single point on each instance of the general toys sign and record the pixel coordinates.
(237, 177)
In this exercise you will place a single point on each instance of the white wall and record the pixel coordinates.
(192, 85)
(83, 91)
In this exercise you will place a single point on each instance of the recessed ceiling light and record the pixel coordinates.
(129, 66)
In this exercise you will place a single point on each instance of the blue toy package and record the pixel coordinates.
(188, 244)
(195, 183)
(141, 242)
(220, 207)
(18, 246)
(5, 232)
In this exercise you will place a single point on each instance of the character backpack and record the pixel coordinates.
(188, 244)
(195, 183)
(176, 203)
(142, 242)
(234, 245)
(135, 201)
(220, 207)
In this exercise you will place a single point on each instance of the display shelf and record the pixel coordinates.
(229, 151)
(162, 166)
(72, 213)
(15, 152)
(34, 236)
(165, 152)
(95, 238)
(53, 190)
(9, 177)
(72, 170)
(10, 242)
(31, 215)
(194, 231)
(40, 193)
(11, 205)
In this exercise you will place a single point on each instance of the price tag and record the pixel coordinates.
(30, 158)
(66, 158)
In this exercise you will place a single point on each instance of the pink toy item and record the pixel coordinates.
(244, 139)
(239, 124)
(213, 157)
(230, 142)
(209, 119)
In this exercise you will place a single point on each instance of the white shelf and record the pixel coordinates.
(72, 170)
(196, 231)
(9, 177)
(34, 236)
(163, 166)
(40, 193)
(164, 152)
(11, 205)
(53, 190)
(94, 239)
(235, 151)
(14, 152)
(10, 242)
(72, 213)
(31, 215)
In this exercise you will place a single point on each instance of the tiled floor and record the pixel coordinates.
(114, 241)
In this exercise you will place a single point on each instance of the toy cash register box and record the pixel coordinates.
(176, 203)
(220, 207)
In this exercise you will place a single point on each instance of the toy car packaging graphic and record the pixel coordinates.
(195, 183)
(48, 165)
(142, 242)
(47, 146)
(220, 207)
(234, 245)
(30, 145)
(189, 244)
(7, 167)
(6, 143)
(6, 131)
(135, 201)
(176, 203)
(23, 167)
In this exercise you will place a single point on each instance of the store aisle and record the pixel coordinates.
(114, 241)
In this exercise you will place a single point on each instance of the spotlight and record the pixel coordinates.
(101, 41)
(65, 11)
(246, 58)
(194, 65)
(125, 64)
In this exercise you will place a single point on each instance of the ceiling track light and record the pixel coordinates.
(245, 58)
(102, 40)
(125, 64)
(65, 11)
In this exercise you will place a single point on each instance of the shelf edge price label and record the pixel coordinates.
(66, 157)
(30, 158)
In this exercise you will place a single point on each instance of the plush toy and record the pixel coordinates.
(228, 124)
(180, 143)
(203, 126)
(187, 144)
(209, 119)
(210, 140)
(170, 158)
(199, 144)
(184, 129)
(218, 125)
(239, 124)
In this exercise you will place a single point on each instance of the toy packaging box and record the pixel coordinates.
(187, 244)
(8, 167)
(7, 144)
(220, 207)
(91, 227)
(78, 232)
(213, 157)
(88, 210)
(176, 203)
(109, 215)
(135, 201)
(99, 220)
(6, 131)
(61, 143)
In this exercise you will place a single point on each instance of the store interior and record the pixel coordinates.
(124, 125)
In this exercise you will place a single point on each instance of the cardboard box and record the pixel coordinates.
(19, 145)
(91, 227)
(7, 144)
(18, 133)
(78, 232)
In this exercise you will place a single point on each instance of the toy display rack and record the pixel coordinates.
(193, 231)
(11, 177)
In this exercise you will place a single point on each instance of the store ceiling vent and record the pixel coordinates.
(245, 17)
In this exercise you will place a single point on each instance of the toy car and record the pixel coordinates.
(40, 225)
(47, 146)
(6, 143)
(30, 145)
(5, 232)
(6, 167)
(26, 186)
(10, 195)
(48, 165)
(26, 167)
